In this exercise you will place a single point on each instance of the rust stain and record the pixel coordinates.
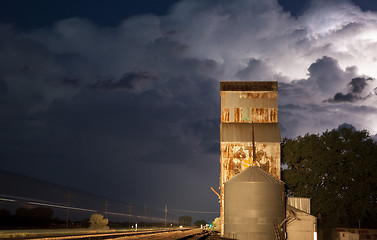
(264, 115)
(248, 115)
(258, 95)
(235, 155)
(225, 115)
(237, 115)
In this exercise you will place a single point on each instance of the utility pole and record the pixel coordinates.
(145, 215)
(106, 208)
(166, 212)
(129, 216)
(253, 138)
(68, 205)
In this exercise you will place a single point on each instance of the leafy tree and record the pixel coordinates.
(200, 222)
(216, 225)
(98, 222)
(337, 170)
(185, 220)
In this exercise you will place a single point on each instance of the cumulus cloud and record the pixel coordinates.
(179, 59)
(256, 70)
(159, 76)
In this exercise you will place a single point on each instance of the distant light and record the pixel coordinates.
(315, 235)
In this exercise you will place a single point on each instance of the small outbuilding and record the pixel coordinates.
(300, 225)
(354, 234)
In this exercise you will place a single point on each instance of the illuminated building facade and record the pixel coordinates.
(249, 130)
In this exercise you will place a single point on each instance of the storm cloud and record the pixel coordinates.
(355, 89)
(142, 98)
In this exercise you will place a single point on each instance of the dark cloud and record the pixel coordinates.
(136, 105)
(71, 81)
(3, 88)
(133, 81)
(355, 87)
(340, 97)
(35, 75)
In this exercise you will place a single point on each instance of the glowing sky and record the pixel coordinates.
(135, 105)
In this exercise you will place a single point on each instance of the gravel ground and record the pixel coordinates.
(163, 236)
(173, 236)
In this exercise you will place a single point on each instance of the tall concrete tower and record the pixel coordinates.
(249, 130)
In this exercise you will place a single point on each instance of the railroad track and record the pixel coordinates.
(196, 236)
(170, 234)
(98, 236)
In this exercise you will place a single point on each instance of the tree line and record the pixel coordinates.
(338, 171)
(39, 217)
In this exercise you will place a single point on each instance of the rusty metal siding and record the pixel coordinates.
(300, 203)
(248, 115)
(237, 156)
(243, 132)
(257, 107)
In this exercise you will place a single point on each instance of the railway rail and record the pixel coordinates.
(166, 234)
(95, 236)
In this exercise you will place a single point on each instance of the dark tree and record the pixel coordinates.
(34, 217)
(6, 219)
(337, 170)
(42, 213)
(185, 220)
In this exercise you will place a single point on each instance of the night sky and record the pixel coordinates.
(121, 98)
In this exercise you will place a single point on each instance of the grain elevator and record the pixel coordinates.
(252, 202)
(249, 133)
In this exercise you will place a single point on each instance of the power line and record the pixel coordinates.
(61, 206)
(38, 202)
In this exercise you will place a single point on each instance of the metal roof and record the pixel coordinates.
(249, 86)
(243, 132)
(296, 210)
(254, 174)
